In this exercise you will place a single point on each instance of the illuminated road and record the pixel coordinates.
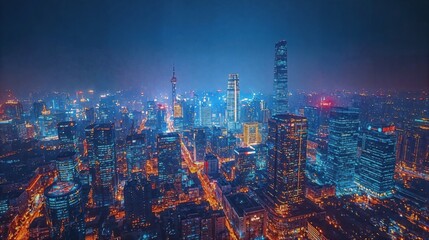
(22, 222)
(209, 190)
(402, 171)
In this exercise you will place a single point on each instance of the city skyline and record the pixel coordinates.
(346, 44)
(98, 142)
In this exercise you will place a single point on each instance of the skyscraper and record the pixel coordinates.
(169, 156)
(287, 141)
(281, 103)
(89, 145)
(251, 134)
(200, 144)
(67, 135)
(413, 150)
(105, 164)
(232, 103)
(211, 165)
(283, 199)
(245, 165)
(136, 154)
(206, 114)
(65, 210)
(342, 148)
(138, 203)
(376, 165)
(67, 167)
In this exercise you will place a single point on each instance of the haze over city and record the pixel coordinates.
(72, 45)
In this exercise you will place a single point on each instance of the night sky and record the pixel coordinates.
(70, 45)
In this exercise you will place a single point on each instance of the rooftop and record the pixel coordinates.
(58, 189)
(242, 204)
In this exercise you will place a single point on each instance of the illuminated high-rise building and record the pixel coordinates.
(138, 203)
(206, 114)
(151, 108)
(281, 103)
(161, 115)
(37, 108)
(376, 165)
(47, 124)
(211, 165)
(245, 165)
(251, 133)
(413, 150)
(136, 154)
(89, 150)
(173, 90)
(66, 165)
(188, 113)
(65, 210)
(233, 103)
(287, 141)
(200, 144)
(169, 156)
(67, 135)
(12, 109)
(342, 148)
(283, 199)
(105, 164)
(248, 218)
(108, 109)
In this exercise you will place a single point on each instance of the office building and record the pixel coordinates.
(342, 148)
(211, 165)
(200, 144)
(281, 102)
(105, 164)
(206, 114)
(136, 154)
(88, 145)
(251, 135)
(413, 150)
(169, 156)
(65, 210)
(287, 140)
(233, 103)
(247, 217)
(376, 165)
(67, 167)
(245, 165)
(67, 136)
(138, 203)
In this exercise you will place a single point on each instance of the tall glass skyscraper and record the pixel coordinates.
(342, 148)
(138, 203)
(287, 145)
(200, 144)
(65, 210)
(281, 103)
(376, 165)
(233, 103)
(105, 164)
(283, 198)
(67, 166)
(89, 145)
(169, 156)
(67, 135)
(136, 154)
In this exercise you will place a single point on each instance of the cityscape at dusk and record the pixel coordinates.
(214, 120)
